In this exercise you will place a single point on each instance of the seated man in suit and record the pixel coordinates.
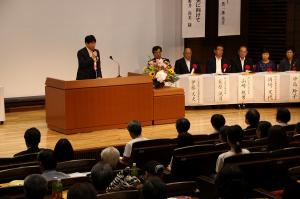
(242, 63)
(290, 62)
(156, 51)
(187, 64)
(218, 64)
(89, 60)
(32, 138)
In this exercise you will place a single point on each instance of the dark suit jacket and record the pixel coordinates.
(86, 65)
(182, 68)
(286, 66)
(211, 65)
(28, 151)
(237, 64)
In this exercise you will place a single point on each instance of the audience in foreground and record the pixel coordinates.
(154, 188)
(277, 138)
(217, 121)
(48, 165)
(82, 190)
(262, 132)
(223, 134)
(32, 138)
(283, 116)
(231, 184)
(135, 131)
(35, 187)
(184, 138)
(111, 156)
(63, 150)
(101, 176)
(252, 118)
(234, 138)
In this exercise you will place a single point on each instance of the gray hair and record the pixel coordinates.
(111, 156)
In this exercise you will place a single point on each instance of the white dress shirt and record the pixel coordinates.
(242, 62)
(188, 63)
(219, 65)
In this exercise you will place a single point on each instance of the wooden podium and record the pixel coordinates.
(89, 105)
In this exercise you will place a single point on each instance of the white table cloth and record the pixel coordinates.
(2, 109)
(200, 90)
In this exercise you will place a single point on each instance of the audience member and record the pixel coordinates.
(283, 116)
(252, 118)
(82, 190)
(35, 187)
(277, 138)
(234, 138)
(184, 137)
(32, 138)
(48, 164)
(217, 121)
(101, 176)
(63, 150)
(111, 156)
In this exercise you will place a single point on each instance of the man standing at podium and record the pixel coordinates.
(89, 60)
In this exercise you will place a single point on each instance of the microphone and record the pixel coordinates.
(110, 57)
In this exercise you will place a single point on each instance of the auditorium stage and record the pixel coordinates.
(12, 131)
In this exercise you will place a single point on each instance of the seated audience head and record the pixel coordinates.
(252, 118)
(82, 190)
(217, 121)
(219, 50)
(277, 138)
(265, 54)
(111, 156)
(35, 187)
(262, 129)
(47, 159)
(101, 176)
(283, 115)
(182, 125)
(297, 128)
(32, 137)
(230, 183)
(235, 136)
(153, 168)
(134, 128)
(185, 139)
(187, 53)
(243, 51)
(90, 42)
(156, 51)
(223, 133)
(154, 188)
(63, 150)
(290, 52)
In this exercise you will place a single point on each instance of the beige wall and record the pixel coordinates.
(40, 38)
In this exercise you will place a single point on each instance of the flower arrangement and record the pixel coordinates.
(160, 71)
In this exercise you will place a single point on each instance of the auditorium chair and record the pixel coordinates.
(18, 173)
(128, 194)
(292, 187)
(83, 165)
(158, 149)
(185, 188)
(250, 132)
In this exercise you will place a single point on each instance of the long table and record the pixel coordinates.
(240, 88)
(2, 109)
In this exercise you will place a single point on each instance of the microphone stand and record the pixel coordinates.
(119, 75)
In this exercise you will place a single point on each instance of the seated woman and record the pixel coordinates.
(277, 138)
(234, 138)
(289, 63)
(63, 150)
(265, 64)
(262, 132)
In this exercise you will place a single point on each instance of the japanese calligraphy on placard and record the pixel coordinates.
(193, 18)
(272, 87)
(229, 17)
(195, 91)
(222, 88)
(294, 87)
(245, 88)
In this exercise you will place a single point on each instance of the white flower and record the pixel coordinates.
(161, 76)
